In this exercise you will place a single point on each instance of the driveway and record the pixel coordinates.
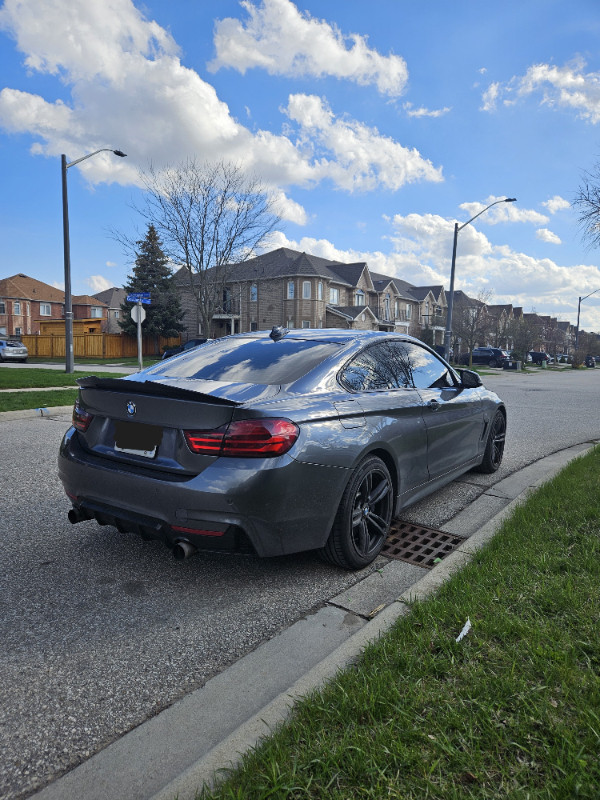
(102, 630)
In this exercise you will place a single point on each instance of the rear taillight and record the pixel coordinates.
(250, 438)
(81, 418)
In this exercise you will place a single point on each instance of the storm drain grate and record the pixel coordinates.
(418, 545)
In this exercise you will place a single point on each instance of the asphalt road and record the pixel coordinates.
(101, 630)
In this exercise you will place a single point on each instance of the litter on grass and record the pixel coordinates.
(465, 630)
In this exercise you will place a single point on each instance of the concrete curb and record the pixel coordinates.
(30, 413)
(156, 760)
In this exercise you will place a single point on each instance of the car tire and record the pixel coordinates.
(363, 518)
(493, 362)
(494, 446)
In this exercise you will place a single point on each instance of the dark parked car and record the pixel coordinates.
(492, 356)
(277, 443)
(589, 361)
(173, 351)
(538, 356)
(13, 350)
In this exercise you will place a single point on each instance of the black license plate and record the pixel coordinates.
(137, 438)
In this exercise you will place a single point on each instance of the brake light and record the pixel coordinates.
(250, 438)
(81, 418)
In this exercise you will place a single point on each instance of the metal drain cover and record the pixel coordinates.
(418, 545)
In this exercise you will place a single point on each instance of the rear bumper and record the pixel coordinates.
(267, 506)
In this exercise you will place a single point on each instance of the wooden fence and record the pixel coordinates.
(94, 345)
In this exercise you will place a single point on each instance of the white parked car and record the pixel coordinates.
(12, 350)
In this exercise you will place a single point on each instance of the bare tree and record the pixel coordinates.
(525, 332)
(471, 322)
(209, 217)
(587, 206)
(555, 337)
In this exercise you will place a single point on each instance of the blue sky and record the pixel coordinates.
(376, 126)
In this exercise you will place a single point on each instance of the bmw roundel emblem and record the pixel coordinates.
(130, 408)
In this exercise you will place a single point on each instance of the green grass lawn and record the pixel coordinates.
(22, 401)
(511, 711)
(40, 379)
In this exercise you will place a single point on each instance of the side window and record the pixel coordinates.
(427, 369)
(378, 368)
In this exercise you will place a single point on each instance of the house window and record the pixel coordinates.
(289, 324)
(96, 312)
(45, 310)
(320, 290)
(396, 309)
(16, 307)
(116, 314)
(408, 311)
(334, 296)
(253, 293)
(306, 323)
(290, 290)
(306, 290)
(359, 298)
(18, 331)
(2, 307)
(254, 326)
(387, 306)
(28, 307)
(2, 330)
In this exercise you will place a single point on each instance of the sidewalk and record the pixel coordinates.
(173, 753)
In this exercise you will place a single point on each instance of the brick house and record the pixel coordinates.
(27, 305)
(299, 290)
(24, 302)
(112, 298)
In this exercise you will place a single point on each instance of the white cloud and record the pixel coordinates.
(567, 87)
(111, 264)
(98, 283)
(288, 209)
(503, 212)
(282, 40)
(424, 112)
(490, 97)
(547, 236)
(556, 203)
(129, 75)
(363, 158)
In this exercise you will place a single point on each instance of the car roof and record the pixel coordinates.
(334, 335)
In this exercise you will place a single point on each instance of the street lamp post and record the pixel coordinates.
(69, 356)
(578, 311)
(457, 228)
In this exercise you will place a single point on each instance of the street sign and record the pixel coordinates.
(138, 311)
(144, 297)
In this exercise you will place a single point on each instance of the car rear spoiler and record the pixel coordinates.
(155, 388)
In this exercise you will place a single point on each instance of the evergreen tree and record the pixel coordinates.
(151, 273)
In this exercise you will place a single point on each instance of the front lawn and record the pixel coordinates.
(510, 712)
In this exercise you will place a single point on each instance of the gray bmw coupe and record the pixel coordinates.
(274, 443)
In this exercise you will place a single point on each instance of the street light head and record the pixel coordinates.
(120, 154)
(510, 200)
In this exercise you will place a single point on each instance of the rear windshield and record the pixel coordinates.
(248, 360)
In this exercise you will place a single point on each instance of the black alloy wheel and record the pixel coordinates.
(494, 447)
(363, 519)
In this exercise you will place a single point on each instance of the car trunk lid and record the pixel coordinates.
(141, 422)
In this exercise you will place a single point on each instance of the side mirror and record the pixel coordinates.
(470, 379)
